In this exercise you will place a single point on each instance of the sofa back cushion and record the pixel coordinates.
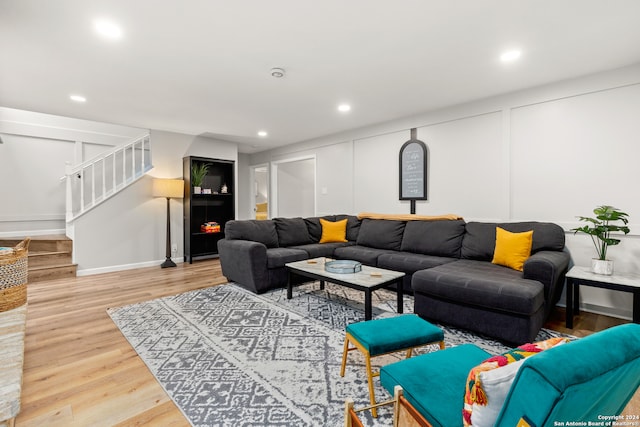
(480, 237)
(292, 232)
(381, 234)
(353, 226)
(315, 229)
(257, 231)
(439, 238)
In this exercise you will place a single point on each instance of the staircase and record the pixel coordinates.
(96, 180)
(49, 257)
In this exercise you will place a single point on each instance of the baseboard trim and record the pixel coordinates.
(123, 267)
(606, 311)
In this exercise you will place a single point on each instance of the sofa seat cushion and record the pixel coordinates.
(410, 263)
(381, 234)
(434, 382)
(316, 250)
(481, 284)
(363, 254)
(278, 257)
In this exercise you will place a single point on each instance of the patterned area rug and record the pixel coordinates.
(228, 357)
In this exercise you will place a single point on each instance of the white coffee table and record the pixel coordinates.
(367, 280)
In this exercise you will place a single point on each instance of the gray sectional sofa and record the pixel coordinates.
(447, 264)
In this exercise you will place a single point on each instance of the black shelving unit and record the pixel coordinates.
(202, 208)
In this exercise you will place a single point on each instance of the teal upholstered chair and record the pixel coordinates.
(577, 381)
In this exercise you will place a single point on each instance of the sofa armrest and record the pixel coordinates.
(244, 262)
(549, 268)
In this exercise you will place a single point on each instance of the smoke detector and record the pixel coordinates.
(277, 72)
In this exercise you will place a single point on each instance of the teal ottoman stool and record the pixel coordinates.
(382, 336)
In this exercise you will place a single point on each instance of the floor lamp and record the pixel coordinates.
(171, 189)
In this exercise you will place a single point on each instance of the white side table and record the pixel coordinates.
(582, 276)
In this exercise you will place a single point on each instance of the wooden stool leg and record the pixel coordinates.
(372, 397)
(409, 353)
(441, 345)
(344, 355)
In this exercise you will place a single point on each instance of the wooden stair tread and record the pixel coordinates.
(44, 253)
(52, 267)
(50, 256)
(47, 254)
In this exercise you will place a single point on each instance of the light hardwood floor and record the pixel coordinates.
(80, 371)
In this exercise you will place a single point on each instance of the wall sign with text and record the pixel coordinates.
(413, 170)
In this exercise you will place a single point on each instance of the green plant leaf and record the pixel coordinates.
(601, 227)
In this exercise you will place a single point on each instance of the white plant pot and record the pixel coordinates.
(197, 190)
(602, 266)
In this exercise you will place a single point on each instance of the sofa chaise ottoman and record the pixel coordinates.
(474, 293)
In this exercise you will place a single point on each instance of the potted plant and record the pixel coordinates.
(608, 220)
(198, 172)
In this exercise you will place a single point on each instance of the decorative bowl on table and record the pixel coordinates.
(343, 266)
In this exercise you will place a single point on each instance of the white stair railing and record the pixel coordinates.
(100, 178)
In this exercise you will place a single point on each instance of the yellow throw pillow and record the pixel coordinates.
(333, 232)
(512, 249)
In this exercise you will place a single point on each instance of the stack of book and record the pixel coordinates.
(210, 227)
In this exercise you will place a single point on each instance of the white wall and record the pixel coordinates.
(296, 185)
(548, 154)
(126, 231)
(33, 154)
(129, 230)
(334, 173)
(464, 169)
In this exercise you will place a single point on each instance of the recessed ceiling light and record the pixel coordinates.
(343, 108)
(510, 55)
(277, 72)
(107, 29)
(262, 133)
(77, 98)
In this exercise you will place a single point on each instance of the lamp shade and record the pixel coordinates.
(172, 188)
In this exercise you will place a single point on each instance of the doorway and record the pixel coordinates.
(260, 193)
(294, 187)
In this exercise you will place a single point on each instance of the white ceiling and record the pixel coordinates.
(202, 66)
